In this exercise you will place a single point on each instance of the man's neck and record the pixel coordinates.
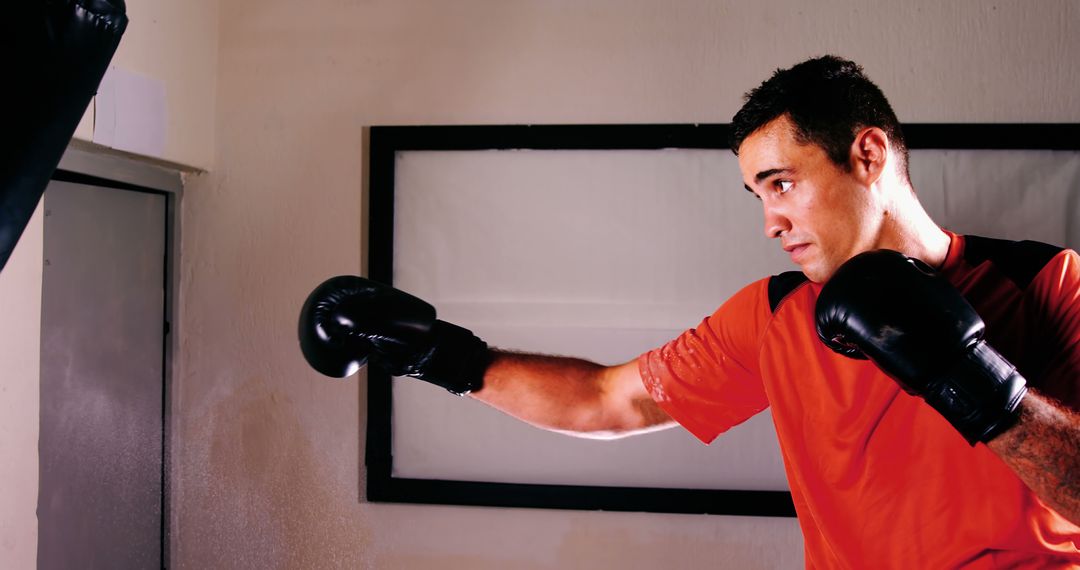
(907, 228)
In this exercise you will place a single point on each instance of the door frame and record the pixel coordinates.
(103, 168)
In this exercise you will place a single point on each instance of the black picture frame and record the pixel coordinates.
(386, 141)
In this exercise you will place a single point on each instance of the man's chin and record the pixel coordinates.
(815, 273)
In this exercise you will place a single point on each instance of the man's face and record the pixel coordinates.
(822, 214)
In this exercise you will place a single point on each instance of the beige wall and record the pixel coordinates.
(20, 349)
(267, 467)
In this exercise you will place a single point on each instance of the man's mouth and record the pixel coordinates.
(796, 250)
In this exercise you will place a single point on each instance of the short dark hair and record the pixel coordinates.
(828, 99)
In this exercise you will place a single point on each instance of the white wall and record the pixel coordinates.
(20, 365)
(268, 469)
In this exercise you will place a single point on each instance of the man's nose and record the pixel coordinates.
(776, 223)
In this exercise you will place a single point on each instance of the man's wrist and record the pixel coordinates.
(457, 360)
(979, 395)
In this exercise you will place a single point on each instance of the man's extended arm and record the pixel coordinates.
(348, 321)
(1043, 448)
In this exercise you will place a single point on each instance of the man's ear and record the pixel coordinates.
(869, 154)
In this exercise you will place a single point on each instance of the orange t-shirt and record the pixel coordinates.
(878, 478)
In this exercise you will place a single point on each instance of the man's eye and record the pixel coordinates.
(782, 186)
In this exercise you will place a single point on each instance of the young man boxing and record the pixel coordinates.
(923, 384)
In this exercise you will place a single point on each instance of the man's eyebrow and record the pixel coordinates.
(767, 173)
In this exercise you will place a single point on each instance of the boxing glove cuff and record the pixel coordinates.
(457, 359)
(979, 395)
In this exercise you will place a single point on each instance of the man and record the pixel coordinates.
(969, 455)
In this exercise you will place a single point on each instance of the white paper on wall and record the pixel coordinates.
(130, 113)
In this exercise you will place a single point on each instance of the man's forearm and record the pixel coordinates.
(543, 390)
(1043, 448)
(570, 395)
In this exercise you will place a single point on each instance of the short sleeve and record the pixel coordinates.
(707, 378)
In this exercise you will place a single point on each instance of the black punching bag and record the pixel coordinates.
(55, 53)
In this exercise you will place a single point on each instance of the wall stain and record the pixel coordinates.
(254, 494)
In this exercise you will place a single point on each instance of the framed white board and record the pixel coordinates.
(603, 242)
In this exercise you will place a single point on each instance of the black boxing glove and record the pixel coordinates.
(348, 320)
(917, 328)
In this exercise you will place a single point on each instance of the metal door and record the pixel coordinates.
(102, 388)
